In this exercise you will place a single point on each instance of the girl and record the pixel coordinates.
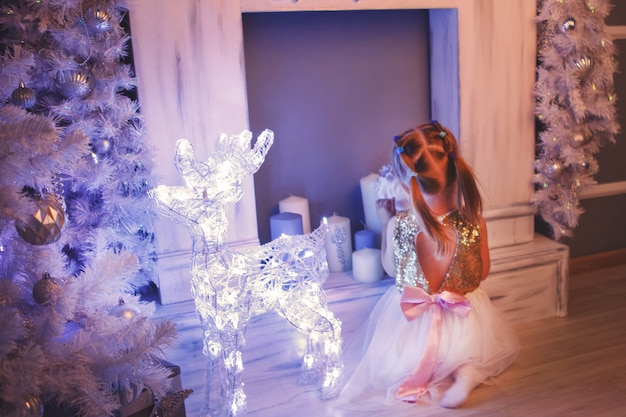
(436, 325)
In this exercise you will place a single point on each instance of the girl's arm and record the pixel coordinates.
(386, 248)
(386, 209)
(484, 248)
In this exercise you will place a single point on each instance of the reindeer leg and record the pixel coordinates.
(224, 396)
(333, 360)
(216, 397)
(311, 359)
(222, 346)
(323, 331)
(233, 341)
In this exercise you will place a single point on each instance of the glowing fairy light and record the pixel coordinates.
(229, 287)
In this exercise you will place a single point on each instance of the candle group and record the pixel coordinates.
(294, 218)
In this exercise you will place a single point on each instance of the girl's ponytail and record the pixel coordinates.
(468, 194)
(427, 220)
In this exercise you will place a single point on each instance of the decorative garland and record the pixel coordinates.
(575, 105)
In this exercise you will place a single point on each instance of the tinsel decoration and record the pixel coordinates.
(45, 289)
(45, 225)
(575, 106)
(23, 97)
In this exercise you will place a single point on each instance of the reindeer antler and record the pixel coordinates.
(186, 165)
(216, 181)
(236, 149)
(233, 160)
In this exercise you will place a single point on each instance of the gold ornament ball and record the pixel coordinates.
(45, 289)
(581, 138)
(45, 225)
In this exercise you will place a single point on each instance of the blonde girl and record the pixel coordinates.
(434, 336)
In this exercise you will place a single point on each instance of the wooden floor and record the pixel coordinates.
(568, 367)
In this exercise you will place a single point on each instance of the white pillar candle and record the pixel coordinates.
(367, 265)
(300, 205)
(285, 223)
(364, 239)
(338, 243)
(369, 196)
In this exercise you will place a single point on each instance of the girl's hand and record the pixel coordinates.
(386, 209)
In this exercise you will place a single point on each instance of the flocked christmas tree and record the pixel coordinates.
(575, 105)
(76, 224)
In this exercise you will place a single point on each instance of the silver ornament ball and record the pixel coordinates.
(30, 406)
(583, 168)
(129, 312)
(583, 66)
(76, 84)
(102, 146)
(97, 20)
(553, 169)
(23, 97)
(45, 289)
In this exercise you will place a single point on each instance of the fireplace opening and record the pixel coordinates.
(335, 87)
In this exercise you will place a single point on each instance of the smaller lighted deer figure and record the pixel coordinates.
(229, 287)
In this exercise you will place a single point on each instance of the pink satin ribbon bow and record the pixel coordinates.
(415, 301)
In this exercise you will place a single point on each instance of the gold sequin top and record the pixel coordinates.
(465, 272)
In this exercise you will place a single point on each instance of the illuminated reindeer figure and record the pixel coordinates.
(229, 287)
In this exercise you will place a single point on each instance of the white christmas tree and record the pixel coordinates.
(575, 105)
(76, 223)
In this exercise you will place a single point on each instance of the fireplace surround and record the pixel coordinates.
(191, 75)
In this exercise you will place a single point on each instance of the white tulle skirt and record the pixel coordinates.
(392, 348)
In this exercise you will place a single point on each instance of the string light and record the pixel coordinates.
(229, 287)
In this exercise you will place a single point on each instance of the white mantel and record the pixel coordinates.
(189, 63)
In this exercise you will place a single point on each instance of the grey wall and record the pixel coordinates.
(335, 87)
